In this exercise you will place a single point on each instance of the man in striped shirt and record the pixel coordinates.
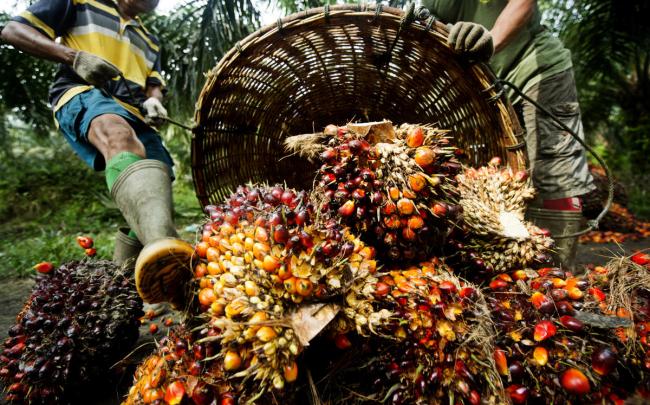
(106, 96)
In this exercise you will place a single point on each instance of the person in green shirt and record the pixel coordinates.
(509, 35)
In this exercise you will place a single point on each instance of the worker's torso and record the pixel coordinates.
(95, 26)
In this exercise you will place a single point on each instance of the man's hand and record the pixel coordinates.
(93, 69)
(471, 40)
(154, 111)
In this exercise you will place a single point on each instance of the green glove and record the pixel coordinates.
(471, 40)
(93, 69)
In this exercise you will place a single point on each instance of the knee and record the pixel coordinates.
(116, 135)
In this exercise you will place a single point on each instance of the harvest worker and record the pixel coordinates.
(106, 95)
(509, 35)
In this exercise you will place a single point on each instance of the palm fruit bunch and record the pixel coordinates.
(494, 237)
(392, 186)
(179, 373)
(558, 341)
(430, 337)
(80, 319)
(260, 260)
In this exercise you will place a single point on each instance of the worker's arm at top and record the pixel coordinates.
(512, 19)
(91, 68)
(31, 41)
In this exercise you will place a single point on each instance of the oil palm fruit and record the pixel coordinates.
(80, 319)
(261, 258)
(392, 186)
(560, 340)
(429, 334)
(494, 236)
(178, 373)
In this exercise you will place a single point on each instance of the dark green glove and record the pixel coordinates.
(93, 69)
(471, 40)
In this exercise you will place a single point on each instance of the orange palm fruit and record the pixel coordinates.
(424, 156)
(415, 137)
(417, 182)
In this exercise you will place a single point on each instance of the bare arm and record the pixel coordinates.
(31, 41)
(511, 20)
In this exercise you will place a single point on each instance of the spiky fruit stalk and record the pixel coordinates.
(495, 237)
(80, 319)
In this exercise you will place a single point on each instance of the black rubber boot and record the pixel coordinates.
(143, 193)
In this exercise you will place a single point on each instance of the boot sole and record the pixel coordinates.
(162, 271)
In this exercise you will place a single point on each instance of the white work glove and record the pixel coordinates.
(93, 69)
(154, 112)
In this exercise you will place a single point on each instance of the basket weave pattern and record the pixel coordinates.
(337, 65)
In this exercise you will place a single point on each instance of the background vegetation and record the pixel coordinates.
(47, 198)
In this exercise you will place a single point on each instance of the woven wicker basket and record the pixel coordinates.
(335, 65)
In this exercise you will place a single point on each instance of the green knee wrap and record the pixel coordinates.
(117, 164)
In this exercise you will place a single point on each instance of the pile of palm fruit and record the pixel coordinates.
(437, 289)
(80, 320)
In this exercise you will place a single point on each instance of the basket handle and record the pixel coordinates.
(592, 224)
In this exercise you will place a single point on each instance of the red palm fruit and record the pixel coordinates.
(539, 300)
(328, 155)
(342, 342)
(544, 330)
(440, 209)
(603, 360)
(572, 323)
(518, 393)
(424, 156)
(415, 137)
(405, 206)
(358, 194)
(597, 293)
(280, 234)
(44, 267)
(381, 289)
(389, 208)
(640, 258)
(91, 252)
(498, 284)
(501, 361)
(174, 393)
(347, 209)
(153, 328)
(201, 249)
(565, 308)
(415, 222)
(408, 234)
(474, 397)
(392, 222)
(575, 382)
(85, 242)
(417, 182)
(291, 372)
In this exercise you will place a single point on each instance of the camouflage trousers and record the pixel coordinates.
(558, 162)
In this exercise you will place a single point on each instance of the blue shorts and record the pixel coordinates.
(74, 119)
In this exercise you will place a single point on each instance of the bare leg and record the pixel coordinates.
(111, 134)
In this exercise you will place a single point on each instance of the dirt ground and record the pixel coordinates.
(16, 291)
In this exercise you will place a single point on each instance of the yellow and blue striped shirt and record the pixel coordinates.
(95, 26)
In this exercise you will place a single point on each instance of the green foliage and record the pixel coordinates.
(194, 37)
(24, 85)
